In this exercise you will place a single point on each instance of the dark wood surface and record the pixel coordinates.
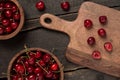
(34, 35)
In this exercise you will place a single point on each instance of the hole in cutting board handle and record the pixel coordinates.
(47, 20)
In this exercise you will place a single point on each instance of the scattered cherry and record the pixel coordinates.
(65, 6)
(103, 19)
(91, 41)
(96, 55)
(40, 5)
(108, 46)
(102, 32)
(88, 23)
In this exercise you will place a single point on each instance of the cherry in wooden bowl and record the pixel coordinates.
(35, 64)
(11, 18)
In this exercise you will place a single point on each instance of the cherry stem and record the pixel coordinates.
(53, 50)
(24, 67)
(27, 50)
(42, 68)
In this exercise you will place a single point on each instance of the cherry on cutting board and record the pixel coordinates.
(102, 32)
(65, 6)
(103, 19)
(96, 55)
(88, 23)
(108, 46)
(91, 41)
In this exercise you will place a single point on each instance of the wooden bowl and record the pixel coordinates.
(14, 33)
(35, 49)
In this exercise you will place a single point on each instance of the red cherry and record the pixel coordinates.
(31, 61)
(5, 22)
(31, 54)
(88, 23)
(54, 67)
(37, 70)
(1, 6)
(38, 54)
(31, 77)
(8, 29)
(14, 25)
(8, 13)
(40, 76)
(65, 6)
(26, 63)
(16, 16)
(14, 8)
(49, 74)
(46, 58)
(19, 68)
(40, 5)
(108, 46)
(8, 5)
(15, 77)
(96, 55)
(103, 19)
(55, 76)
(42, 63)
(102, 32)
(30, 69)
(1, 31)
(91, 41)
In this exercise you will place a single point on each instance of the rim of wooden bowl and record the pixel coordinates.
(33, 49)
(14, 33)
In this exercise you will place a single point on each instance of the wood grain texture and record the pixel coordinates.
(78, 37)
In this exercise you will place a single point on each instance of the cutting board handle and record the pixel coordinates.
(55, 23)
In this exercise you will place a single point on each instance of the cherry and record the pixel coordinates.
(31, 77)
(8, 13)
(46, 58)
(14, 8)
(31, 54)
(1, 6)
(108, 46)
(88, 23)
(40, 76)
(8, 29)
(31, 61)
(96, 55)
(8, 5)
(1, 31)
(38, 54)
(91, 41)
(42, 63)
(49, 74)
(40, 5)
(37, 70)
(65, 6)
(55, 76)
(16, 16)
(102, 32)
(103, 19)
(15, 77)
(19, 68)
(54, 67)
(26, 63)
(30, 69)
(14, 25)
(5, 22)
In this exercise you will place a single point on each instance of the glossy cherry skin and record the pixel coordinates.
(96, 55)
(54, 67)
(30, 69)
(88, 23)
(49, 74)
(1, 31)
(103, 19)
(108, 46)
(5, 22)
(38, 55)
(8, 5)
(20, 68)
(40, 5)
(16, 16)
(31, 61)
(42, 63)
(46, 58)
(91, 41)
(14, 25)
(8, 13)
(65, 6)
(102, 32)
(31, 77)
(14, 8)
(37, 70)
(8, 29)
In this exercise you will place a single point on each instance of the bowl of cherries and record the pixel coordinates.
(35, 64)
(11, 18)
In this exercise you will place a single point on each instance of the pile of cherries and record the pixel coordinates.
(35, 65)
(9, 17)
(88, 24)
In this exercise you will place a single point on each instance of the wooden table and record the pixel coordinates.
(34, 35)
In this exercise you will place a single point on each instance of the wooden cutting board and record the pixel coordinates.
(78, 50)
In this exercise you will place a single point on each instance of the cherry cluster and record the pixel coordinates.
(101, 32)
(35, 65)
(9, 17)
